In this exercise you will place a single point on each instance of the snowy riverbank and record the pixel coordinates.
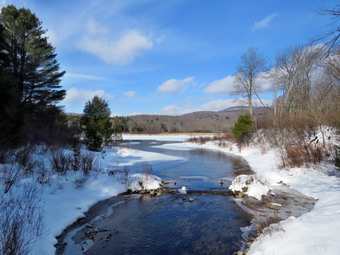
(315, 232)
(64, 198)
(67, 197)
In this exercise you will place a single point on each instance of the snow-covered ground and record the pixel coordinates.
(314, 233)
(67, 197)
(168, 137)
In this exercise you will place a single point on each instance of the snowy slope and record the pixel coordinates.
(314, 233)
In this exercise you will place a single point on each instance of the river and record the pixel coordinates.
(168, 224)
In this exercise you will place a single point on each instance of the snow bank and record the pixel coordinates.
(314, 233)
(64, 203)
(66, 198)
(168, 138)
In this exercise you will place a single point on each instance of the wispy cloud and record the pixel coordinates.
(85, 77)
(95, 28)
(220, 104)
(264, 23)
(75, 96)
(174, 86)
(130, 93)
(120, 51)
(177, 110)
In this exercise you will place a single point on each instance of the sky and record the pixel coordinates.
(168, 57)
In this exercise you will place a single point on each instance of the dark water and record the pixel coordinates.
(170, 224)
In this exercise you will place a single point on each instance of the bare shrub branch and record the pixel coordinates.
(20, 221)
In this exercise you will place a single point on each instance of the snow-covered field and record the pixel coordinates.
(314, 233)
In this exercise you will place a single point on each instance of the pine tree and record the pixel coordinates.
(243, 128)
(32, 60)
(96, 123)
(30, 73)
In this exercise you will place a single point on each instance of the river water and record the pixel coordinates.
(169, 224)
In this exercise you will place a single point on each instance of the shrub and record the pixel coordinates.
(9, 174)
(23, 157)
(59, 161)
(20, 221)
(243, 129)
(87, 162)
(297, 155)
(337, 156)
(96, 123)
(146, 169)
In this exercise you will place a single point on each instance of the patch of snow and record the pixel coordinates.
(144, 181)
(250, 185)
(182, 190)
(276, 204)
(86, 245)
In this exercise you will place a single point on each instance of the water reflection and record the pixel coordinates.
(172, 225)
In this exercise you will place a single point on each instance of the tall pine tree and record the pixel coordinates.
(29, 69)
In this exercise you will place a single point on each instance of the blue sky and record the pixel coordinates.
(167, 57)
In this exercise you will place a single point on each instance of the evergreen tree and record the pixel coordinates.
(31, 59)
(29, 71)
(243, 128)
(96, 123)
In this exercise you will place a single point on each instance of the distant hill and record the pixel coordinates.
(244, 109)
(202, 121)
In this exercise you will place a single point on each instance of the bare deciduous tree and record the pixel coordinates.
(331, 38)
(251, 67)
(293, 77)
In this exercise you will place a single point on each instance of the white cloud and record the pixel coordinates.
(224, 85)
(94, 28)
(85, 76)
(130, 93)
(174, 86)
(264, 23)
(176, 110)
(80, 96)
(265, 82)
(136, 113)
(119, 52)
(220, 104)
